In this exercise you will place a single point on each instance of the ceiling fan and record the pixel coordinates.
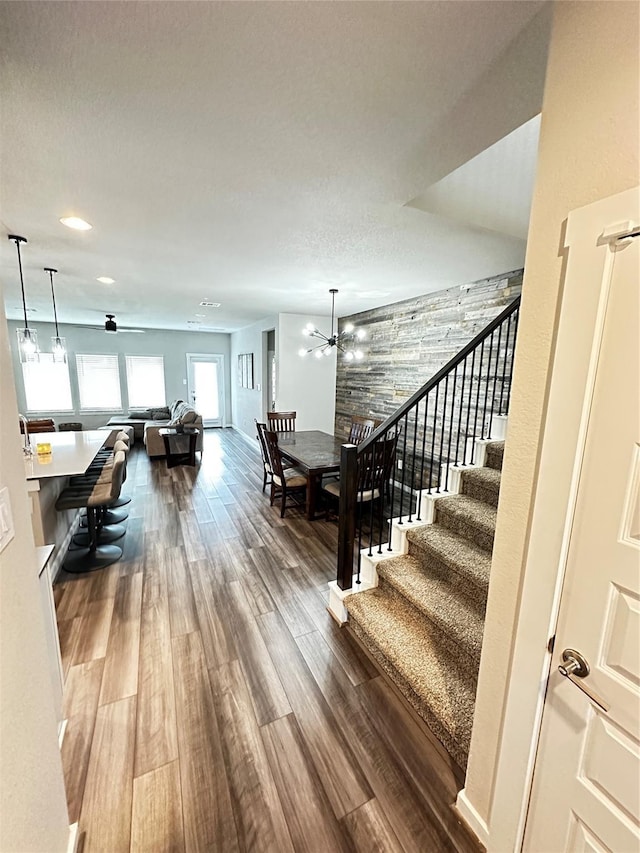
(111, 327)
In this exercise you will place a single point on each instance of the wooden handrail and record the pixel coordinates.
(457, 359)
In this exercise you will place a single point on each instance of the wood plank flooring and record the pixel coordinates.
(212, 702)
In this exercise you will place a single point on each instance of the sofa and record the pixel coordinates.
(147, 424)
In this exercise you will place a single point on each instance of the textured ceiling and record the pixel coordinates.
(250, 153)
(494, 189)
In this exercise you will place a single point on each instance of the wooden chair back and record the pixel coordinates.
(260, 430)
(266, 466)
(361, 428)
(375, 467)
(282, 421)
(273, 454)
(39, 425)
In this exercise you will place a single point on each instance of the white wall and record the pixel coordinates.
(173, 345)
(249, 404)
(33, 810)
(589, 150)
(306, 385)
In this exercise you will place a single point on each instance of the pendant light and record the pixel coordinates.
(334, 339)
(58, 344)
(27, 338)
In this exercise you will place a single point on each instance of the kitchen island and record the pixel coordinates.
(47, 475)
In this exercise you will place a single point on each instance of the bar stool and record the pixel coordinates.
(127, 437)
(97, 555)
(109, 520)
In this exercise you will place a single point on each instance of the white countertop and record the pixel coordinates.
(71, 453)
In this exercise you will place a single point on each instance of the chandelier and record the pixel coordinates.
(58, 344)
(339, 340)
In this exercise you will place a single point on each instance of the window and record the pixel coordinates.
(46, 385)
(145, 381)
(99, 381)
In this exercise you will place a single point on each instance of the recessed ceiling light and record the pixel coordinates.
(104, 279)
(201, 316)
(206, 304)
(76, 223)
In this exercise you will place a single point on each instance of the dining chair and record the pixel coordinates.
(286, 481)
(375, 466)
(260, 431)
(264, 453)
(361, 428)
(282, 421)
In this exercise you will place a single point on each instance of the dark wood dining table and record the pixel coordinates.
(314, 452)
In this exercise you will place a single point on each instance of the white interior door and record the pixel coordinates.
(205, 378)
(586, 788)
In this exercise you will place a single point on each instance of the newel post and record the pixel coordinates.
(347, 513)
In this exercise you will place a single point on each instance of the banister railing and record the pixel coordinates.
(435, 428)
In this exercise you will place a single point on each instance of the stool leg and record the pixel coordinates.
(93, 532)
(110, 516)
(94, 557)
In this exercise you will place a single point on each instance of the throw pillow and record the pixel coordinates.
(159, 413)
(143, 414)
(189, 416)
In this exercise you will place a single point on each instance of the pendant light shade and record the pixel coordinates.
(58, 344)
(27, 338)
(339, 340)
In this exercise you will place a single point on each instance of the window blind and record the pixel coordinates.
(145, 381)
(98, 381)
(46, 385)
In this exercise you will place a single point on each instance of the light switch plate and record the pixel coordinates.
(6, 521)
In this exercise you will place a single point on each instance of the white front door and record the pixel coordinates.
(205, 378)
(586, 787)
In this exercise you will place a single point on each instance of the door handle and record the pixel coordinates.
(575, 666)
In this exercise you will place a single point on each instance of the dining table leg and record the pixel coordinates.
(313, 483)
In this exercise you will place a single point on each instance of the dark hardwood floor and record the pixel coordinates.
(212, 702)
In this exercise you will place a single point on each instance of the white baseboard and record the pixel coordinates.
(252, 442)
(470, 816)
(74, 838)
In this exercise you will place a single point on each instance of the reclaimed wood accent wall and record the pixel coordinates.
(407, 342)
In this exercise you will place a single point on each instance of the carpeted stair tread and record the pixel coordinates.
(471, 518)
(494, 454)
(452, 614)
(482, 484)
(454, 552)
(408, 648)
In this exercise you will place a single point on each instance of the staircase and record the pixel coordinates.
(424, 621)
(413, 572)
